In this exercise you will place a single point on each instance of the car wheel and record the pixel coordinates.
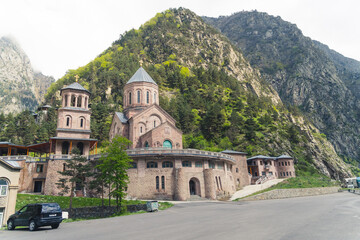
(55, 226)
(10, 225)
(32, 225)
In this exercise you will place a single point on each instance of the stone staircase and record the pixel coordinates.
(196, 198)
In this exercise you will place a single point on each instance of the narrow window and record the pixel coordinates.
(140, 129)
(157, 182)
(288, 163)
(282, 163)
(285, 163)
(129, 97)
(154, 97)
(217, 183)
(261, 163)
(73, 101)
(162, 182)
(220, 183)
(66, 100)
(64, 167)
(290, 173)
(211, 164)
(147, 97)
(154, 123)
(138, 96)
(237, 170)
(81, 122)
(68, 121)
(86, 103)
(287, 174)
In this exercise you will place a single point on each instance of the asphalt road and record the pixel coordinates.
(335, 216)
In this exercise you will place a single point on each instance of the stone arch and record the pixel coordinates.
(138, 96)
(65, 148)
(68, 121)
(142, 128)
(167, 144)
(82, 122)
(80, 146)
(194, 186)
(154, 120)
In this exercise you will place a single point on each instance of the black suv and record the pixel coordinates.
(36, 215)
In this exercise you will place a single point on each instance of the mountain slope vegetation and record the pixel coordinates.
(219, 101)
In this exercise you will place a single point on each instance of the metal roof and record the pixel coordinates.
(141, 76)
(122, 117)
(75, 86)
(15, 164)
(266, 157)
(233, 152)
(74, 139)
(283, 156)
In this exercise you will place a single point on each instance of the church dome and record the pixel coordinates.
(141, 76)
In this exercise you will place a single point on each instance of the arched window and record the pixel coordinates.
(129, 97)
(157, 182)
(80, 146)
(186, 163)
(154, 123)
(3, 187)
(167, 164)
(138, 96)
(65, 147)
(140, 129)
(68, 121)
(147, 97)
(155, 97)
(79, 102)
(81, 122)
(162, 182)
(151, 165)
(167, 144)
(73, 99)
(146, 144)
(211, 164)
(237, 170)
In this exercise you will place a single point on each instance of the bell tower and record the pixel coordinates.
(73, 125)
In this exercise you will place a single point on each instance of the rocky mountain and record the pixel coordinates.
(20, 86)
(206, 84)
(321, 82)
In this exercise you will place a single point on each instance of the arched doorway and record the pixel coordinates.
(146, 144)
(80, 146)
(194, 186)
(65, 147)
(167, 144)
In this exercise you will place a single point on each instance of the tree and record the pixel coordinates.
(75, 173)
(114, 163)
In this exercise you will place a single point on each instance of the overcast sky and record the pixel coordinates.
(66, 34)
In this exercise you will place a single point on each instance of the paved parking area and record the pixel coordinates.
(334, 216)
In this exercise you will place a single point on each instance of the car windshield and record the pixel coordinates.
(50, 207)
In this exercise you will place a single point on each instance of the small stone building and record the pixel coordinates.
(9, 178)
(262, 168)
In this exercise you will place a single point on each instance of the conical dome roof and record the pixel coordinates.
(141, 76)
(75, 86)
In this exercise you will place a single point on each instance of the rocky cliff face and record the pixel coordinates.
(20, 87)
(321, 82)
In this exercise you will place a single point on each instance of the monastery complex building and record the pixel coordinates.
(161, 168)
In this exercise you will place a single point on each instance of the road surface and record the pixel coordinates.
(334, 216)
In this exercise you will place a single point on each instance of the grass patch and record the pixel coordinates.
(304, 181)
(23, 199)
(165, 205)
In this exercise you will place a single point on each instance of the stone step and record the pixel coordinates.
(196, 198)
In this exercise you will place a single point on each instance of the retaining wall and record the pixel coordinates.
(106, 211)
(294, 192)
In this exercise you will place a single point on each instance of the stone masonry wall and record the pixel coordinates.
(295, 192)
